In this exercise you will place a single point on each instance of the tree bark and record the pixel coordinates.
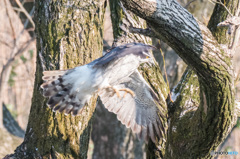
(174, 65)
(198, 131)
(69, 33)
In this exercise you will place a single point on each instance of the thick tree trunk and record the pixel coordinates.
(200, 119)
(69, 33)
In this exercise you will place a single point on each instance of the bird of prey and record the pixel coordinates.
(117, 81)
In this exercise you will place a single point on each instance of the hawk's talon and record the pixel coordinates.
(115, 91)
(124, 95)
(127, 90)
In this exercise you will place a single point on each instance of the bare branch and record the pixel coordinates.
(187, 5)
(233, 28)
(230, 21)
(146, 32)
(25, 12)
(11, 25)
(5, 43)
(27, 21)
(11, 60)
(219, 2)
(17, 9)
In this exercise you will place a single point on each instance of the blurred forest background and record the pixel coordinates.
(17, 68)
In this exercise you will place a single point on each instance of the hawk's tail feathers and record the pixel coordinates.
(52, 82)
(58, 91)
(53, 75)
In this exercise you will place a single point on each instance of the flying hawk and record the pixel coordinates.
(117, 81)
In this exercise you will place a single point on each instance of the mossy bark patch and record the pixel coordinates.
(69, 33)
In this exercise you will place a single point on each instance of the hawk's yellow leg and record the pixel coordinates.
(126, 90)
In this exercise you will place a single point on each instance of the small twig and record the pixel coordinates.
(30, 13)
(187, 5)
(5, 43)
(4, 69)
(25, 24)
(165, 72)
(10, 21)
(219, 2)
(25, 12)
(11, 60)
(30, 29)
(233, 24)
(146, 32)
(17, 9)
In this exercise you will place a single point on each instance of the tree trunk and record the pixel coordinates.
(201, 118)
(69, 33)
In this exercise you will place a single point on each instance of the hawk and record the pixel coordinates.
(117, 81)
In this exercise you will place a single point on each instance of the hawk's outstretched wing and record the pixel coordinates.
(140, 112)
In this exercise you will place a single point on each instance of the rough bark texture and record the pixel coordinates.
(69, 33)
(195, 133)
(174, 65)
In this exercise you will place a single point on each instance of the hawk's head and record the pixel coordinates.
(143, 52)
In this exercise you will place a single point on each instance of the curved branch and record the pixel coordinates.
(195, 44)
